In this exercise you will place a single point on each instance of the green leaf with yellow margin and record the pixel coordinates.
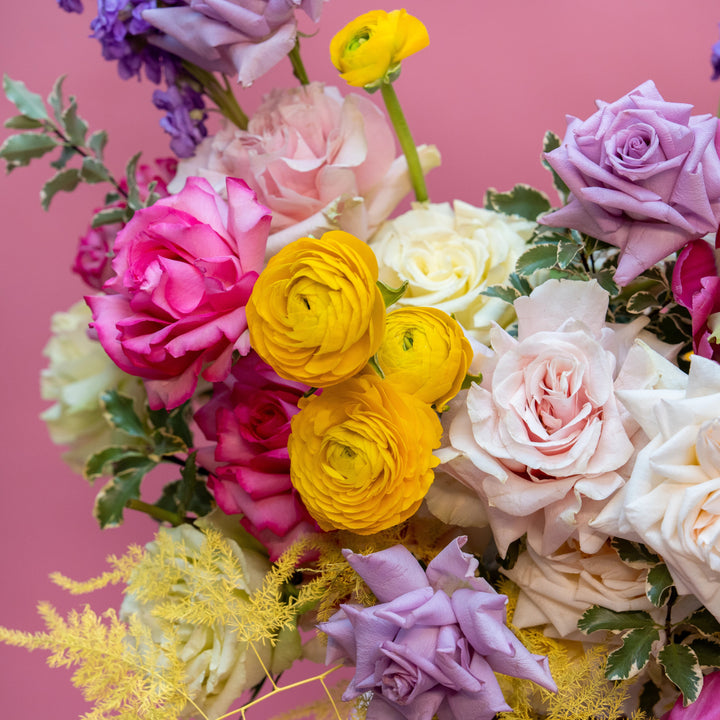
(628, 660)
(683, 670)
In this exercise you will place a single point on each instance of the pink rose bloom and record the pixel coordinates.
(95, 248)
(247, 37)
(706, 707)
(543, 440)
(318, 160)
(248, 419)
(644, 176)
(434, 640)
(696, 286)
(184, 270)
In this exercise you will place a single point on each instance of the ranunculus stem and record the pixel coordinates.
(154, 511)
(406, 141)
(297, 63)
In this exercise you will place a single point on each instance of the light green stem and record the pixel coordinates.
(223, 97)
(406, 142)
(297, 64)
(154, 511)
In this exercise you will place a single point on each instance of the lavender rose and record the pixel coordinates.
(434, 641)
(247, 37)
(644, 176)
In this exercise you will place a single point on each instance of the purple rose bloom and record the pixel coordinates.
(644, 176)
(706, 707)
(247, 37)
(434, 641)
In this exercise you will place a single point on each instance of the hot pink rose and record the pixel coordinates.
(184, 269)
(706, 707)
(318, 160)
(644, 176)
(248, 418)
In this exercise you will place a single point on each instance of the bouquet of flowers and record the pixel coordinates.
(457, 461)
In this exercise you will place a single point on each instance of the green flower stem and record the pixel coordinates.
(223, 97)
(406, 142)
(297, 64)
(154, 511)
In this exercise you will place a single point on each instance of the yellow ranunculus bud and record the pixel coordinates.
(425, 353)
(316, 314)
(370, 47)
(361, 454)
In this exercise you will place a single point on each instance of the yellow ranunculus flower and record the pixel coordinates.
(316, 314)
(369, 48)
(361, 454)
(425, 353)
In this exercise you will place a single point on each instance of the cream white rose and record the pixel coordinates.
(449, 255)
(672, 499)
(79, 371)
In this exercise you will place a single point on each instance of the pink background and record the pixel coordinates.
(494, 78)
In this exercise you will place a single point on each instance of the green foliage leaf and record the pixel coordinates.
(600, 618)
(108, 216)
(189, 494)
(633, 553)
(73, 124)
(468, 380)
(704, 621)
(550, 142)
(23, 122)
(508, 294)
(101, 463)
(97, 143)
(66, 154)
(120, 412)
(567, 251)
(538, 257)
(55, 98)
(706, 649)
(391, 295)
(133, 200)
(18, 150)
(606, 282)
(175, 421)
(522, 200)
(641, 301)
(683, 670)
(113, 498)
(65, 180)
(28, 103)
(93, 171)
(649, 697)
(520, 283)
(628, 660)
(658, 585)
(165, 443)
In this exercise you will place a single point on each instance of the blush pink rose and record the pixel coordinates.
(184, 270)
(644, 176)
(543, 440)
(318, 160)
(248, 419)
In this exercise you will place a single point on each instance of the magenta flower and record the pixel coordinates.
(248, 419)
(433, 642)
(706, 707)
(644, 176)
(184, 270)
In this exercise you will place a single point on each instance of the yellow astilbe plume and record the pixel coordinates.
(117, 664)
(123, 567)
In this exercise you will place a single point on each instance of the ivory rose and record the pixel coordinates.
(448, 256)
(184, 269)
(543, 440)
(672, 500)
(318, 160)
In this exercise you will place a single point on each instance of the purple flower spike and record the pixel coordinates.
(715, 60)
(433, 643)
(71, 5)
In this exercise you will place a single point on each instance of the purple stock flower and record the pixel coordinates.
(434, 640)
(71, 5)
(715, 60)
(184, 119)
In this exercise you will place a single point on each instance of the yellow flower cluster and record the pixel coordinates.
(361, 451)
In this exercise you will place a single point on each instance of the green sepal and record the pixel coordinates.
(18, 150)
(391, 295)
(601, 618)
(658, 584)
(23, 122)
(628, 660)
(633, 553)
(108, 216)
(93, 171)
(100, 463)
(120, 412)
(65, 180)
(538, 257)
(502, 292)
(683, 670)
(550, 142)
(522, 200)
(73, 124)
(27, 102)
(111, 500)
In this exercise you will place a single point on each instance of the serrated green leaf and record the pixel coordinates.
(502, 292)
(65, 180)
(97, 143)
(704, 621)
(522, 200)
(23, 122)
(706, 649)
(108, 216)
(628, 660)
(551, 142)
(66, 154)
(175, 421)
(93, 171)
(606, 282)
(133, 199)
(539, 257)
(633, 553)
(520, 283)
(683, 670)
(391, 295)
(567, 251)
(641, 301)
(55, 98)
(112, 499)
(73, 124)
(600, 618)
(658, 585)
(97, 465)
(27, 102)
(18, 150)
(165, 443)
(120, 412)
